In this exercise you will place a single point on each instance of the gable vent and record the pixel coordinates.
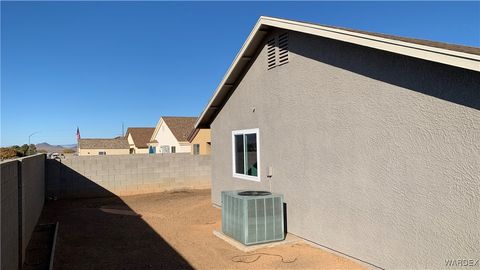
(271, 55)
(283, 49)
(277, 51)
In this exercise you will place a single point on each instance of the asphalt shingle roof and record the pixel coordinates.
(140, 135)
(117, 143)
(437, 44)
(181, 127)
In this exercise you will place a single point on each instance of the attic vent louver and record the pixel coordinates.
(283, 49)
(271, 55)
(277, 57)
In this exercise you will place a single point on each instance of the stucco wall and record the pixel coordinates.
(377, 154)
(94, 152)
(203, 138)
(130, 140)
(93, 176)
(141, 150)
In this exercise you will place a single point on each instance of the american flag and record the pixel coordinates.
(78, 134)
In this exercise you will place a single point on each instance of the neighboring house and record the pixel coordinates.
(138, 137)
(95, 147)
(171, 135)
(201, 141)
(372, 139)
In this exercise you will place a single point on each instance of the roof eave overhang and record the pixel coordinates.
(192, 134)
(264, 24)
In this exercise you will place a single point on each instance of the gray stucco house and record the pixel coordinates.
(374, 140)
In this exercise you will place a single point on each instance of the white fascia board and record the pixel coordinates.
(449, 57)
(157, 127)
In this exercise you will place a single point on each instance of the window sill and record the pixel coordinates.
(246, 177)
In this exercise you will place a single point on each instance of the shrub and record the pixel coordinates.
(7, 153)
(24, 149)
(32, 149)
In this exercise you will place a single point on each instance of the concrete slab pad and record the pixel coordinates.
(289, 239)
(120, 212)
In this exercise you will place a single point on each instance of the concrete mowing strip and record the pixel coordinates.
(52, 254)
(289, 239)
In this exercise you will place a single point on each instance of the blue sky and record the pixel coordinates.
(98, 64)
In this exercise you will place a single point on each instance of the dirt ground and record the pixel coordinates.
(164, 231)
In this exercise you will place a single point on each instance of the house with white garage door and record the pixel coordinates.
(373, 139)
(171, 135)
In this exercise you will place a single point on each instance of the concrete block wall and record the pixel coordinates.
(92, 176)
(22, 199)
(32, 195)
(9, 215)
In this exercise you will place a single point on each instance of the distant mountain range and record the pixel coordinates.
(55, 148)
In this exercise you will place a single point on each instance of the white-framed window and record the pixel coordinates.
(196, 149)
(246, 154)
(102, 153)
(174, 149)
(165, 149)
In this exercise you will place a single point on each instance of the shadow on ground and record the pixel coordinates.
(104, 233)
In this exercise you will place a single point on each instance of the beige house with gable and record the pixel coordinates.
(171, 135)
(101, 147)
(138, 137)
